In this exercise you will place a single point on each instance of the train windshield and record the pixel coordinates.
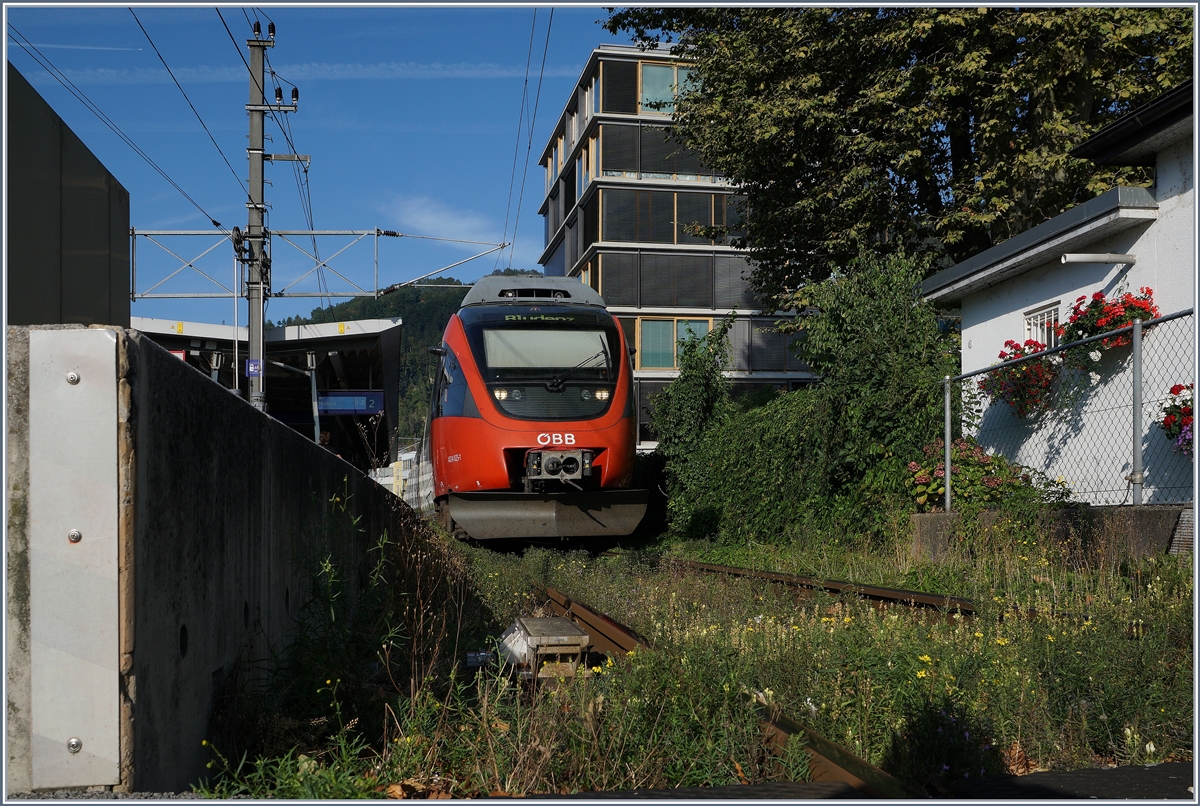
(548, 367)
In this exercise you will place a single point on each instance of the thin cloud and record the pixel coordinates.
(310, 71)
(421, 215)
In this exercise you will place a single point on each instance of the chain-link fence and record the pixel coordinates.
(1090, 414)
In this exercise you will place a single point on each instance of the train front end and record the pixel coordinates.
(533, 426)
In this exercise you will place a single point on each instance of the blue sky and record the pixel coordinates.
(411, 117)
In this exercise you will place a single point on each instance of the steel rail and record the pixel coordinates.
(872, 592)
(828, 762)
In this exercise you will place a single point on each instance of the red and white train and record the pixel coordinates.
(532, 429)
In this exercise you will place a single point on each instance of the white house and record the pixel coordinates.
(1021, 289)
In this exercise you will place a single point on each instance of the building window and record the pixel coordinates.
(658, 88)
(661, 85)
(1041, 325)
(659, 340)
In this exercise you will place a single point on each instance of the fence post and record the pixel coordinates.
(1136, 475)
(946, 439)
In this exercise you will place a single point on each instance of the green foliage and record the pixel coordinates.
(697, 400)
(980, 480)
(829, 452)
(931, 130)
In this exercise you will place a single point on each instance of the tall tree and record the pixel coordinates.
(937, 131)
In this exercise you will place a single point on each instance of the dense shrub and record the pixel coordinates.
(830, 453)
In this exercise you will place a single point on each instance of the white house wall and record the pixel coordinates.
(1093, 452)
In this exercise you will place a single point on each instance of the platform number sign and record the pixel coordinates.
(254, 368)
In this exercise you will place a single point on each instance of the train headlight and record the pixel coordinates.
(570, 465)
(601, 394)
(500, 394)
(586, 394)
(553, 465)
(518, 394)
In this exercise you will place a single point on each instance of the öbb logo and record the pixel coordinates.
(545, 439)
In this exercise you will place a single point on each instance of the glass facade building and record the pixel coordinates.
(630, 212)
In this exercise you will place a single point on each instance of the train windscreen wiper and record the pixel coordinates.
(556, 383)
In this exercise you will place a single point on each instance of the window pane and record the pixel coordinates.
(691, 329)
(619, 214)
(658, 94)
(658, 343)
(687, 80)
(694, 208)
(619, 150)
(620, 279)
(619, 87)
(658, 153)
(656, 216)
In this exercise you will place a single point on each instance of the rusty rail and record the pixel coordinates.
(828, 762)
(873, 593)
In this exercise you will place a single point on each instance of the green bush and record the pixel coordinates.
(831, 454)
(979, 480)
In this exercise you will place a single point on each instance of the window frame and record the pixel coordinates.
(1043, 320)
(675, 320)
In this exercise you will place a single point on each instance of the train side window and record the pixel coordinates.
(453, 396)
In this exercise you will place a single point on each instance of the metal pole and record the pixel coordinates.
(377, 263)
(237, 281)
(1136, 476)
(256, 288)
(133, 264)
(946, 439)
(312, 377)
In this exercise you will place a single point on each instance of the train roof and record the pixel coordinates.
(499, 290)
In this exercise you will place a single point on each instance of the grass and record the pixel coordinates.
(1100, 673)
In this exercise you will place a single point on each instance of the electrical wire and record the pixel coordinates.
(189, 103)
(61, 78)
(529, 145)
(517, 143)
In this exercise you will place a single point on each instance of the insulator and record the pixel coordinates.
(257, 30)
(295, 95)
(271, 30)
(279, 95)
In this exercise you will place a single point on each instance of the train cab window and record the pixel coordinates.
(546, 366)
(452, 396)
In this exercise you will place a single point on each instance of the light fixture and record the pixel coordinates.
(1107, 257)
(602, 394)
(518, 394)
(500, 394)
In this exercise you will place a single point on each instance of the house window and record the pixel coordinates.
(660, 340)
(1041, 325)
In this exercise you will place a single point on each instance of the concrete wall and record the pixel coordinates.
(68, 222)
(208, 515)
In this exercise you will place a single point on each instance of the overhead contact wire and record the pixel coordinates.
(517, 142)
(189, 103)
(61, 78)
(529, 145)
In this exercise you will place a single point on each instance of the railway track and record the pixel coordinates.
(828, 762)
(878, 596)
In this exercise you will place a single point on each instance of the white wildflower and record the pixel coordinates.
(1095, 377)
(1094, 355)
(1150, 748)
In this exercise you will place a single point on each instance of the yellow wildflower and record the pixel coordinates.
(920, 673)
